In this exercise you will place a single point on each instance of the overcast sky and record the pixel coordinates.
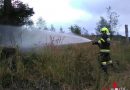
(85, 13)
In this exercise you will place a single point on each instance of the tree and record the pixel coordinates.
(75, 29)
(102, 23)
(41, 24)
(112, 19)
(86, 33)
(14, 12)
(61, 30)
(52, 28)
(111, 22)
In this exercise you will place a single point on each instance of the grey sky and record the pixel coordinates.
(85, 13)
(98, 8)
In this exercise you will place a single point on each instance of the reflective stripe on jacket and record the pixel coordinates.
(104, 43)
(105, 50)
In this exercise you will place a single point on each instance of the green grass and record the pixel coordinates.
(73, 67)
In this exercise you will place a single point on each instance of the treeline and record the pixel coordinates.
(17, 14)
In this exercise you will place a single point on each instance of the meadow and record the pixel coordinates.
(70, 67)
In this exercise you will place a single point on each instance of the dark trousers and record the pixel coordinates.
(104, 60)
(105, 57)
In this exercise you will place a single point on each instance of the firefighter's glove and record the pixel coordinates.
(94, 43)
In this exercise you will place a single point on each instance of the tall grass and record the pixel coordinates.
(72, 67)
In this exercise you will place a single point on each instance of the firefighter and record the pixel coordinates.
(104, 45)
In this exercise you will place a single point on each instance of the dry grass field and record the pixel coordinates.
(72, 67)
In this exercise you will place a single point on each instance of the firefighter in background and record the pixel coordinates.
(104, 45)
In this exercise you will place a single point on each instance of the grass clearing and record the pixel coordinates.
(72, 67)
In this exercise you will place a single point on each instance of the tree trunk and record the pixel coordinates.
(7, 6)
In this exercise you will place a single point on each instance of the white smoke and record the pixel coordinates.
(35, 38)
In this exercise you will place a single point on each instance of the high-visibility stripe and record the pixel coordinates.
(99, 41)
(110, 61)
(104, 63)
(102, 39)
(104, 50)
(108, 39)
(108, 33)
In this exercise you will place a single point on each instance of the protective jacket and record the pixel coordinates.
(103, 43)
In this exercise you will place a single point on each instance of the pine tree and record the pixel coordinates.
(75, 29)
(14, 12)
